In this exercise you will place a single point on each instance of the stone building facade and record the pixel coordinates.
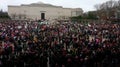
(36, 11)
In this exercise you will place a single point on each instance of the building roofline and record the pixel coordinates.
(13, 6)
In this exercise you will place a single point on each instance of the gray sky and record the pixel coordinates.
(86, 5)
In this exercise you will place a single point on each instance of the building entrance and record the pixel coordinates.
(43, 16)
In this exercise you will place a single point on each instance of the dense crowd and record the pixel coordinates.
(31, 44)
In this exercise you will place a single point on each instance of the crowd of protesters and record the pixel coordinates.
(31, 44)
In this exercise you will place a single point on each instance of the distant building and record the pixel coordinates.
(36, 11)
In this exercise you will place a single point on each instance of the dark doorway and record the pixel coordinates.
(42, 16)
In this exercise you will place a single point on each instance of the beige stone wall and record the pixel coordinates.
(29, 12)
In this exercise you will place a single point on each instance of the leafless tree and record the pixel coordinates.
(107, 10)
(97, 6)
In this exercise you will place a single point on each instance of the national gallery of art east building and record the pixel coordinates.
(37, 11)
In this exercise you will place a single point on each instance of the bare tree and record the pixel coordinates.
(97, 7)
(118, 4)
(106, 10)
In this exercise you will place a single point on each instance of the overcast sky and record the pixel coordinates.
(86, 5)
